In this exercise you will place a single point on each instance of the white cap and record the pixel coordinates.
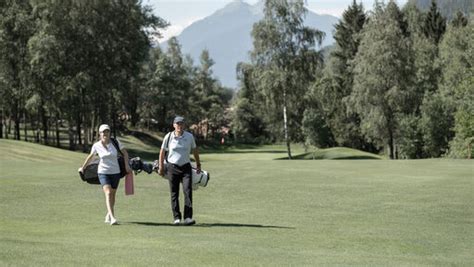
(104, 127)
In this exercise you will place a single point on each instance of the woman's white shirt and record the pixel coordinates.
(108, 163)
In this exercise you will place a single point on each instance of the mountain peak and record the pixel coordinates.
(233, 7)
(226, 34)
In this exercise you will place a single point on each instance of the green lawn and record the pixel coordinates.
(256, 211)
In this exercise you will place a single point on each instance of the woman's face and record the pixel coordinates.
(105, 135)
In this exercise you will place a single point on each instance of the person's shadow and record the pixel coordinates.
(214, 225)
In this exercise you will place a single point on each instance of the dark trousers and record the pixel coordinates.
(177, 175)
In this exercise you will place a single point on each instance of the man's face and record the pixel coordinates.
(179, 126)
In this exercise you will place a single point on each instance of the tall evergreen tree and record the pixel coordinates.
(459, 20)
(208, 94)
(394, 11)
(435, 24)
(170, 86)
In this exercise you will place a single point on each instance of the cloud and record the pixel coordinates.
(337, 12)
(176, 28)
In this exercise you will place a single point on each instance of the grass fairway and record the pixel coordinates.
(256, 211)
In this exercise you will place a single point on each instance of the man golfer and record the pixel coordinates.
(179, 144)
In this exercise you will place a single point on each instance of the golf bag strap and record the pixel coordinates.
(167, 143)
(115, 143)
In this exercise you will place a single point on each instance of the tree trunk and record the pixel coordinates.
(37, 135)
(469, 150)
(390, 144)
(87, 134)
(285, 121)
(8, 127)
(134, 106)
(1, 123)
(78, 128)
(17, 127)
(58, 141)
(16, 120)
(25, 126)
(70, 133)
(44, 121)
(114, 122)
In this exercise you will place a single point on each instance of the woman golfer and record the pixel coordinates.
(179, 144)
(108, 169)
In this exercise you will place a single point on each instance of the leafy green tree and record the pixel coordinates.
(315, 129)
(247, 118)
(436, 123)
(47, 50)
(285, 61)
(410, 141)
(149, 94)
(456, 57)
(16, 27)
(382, 77)
(461, 145)
(414, 17)
(337, 80)
(426, 67)
(445, 113)
(85, 56)
(425, 83)
(134, 38)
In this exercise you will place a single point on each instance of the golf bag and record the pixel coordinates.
(137, 165)
(89, 173)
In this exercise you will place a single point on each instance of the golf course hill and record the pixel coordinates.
(337, 153)
(147, 147)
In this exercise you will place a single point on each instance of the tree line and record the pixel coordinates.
(397, 80)
(76, 64)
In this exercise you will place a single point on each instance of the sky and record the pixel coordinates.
(182, 13)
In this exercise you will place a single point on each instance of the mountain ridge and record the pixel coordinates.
(226, 34)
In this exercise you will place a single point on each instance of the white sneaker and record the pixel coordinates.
(189, 221)
(177, 221)
(107, 218)
(113, 221)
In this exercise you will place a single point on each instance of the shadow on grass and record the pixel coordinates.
(235, 148)
(240, 152)
(215, 225)
(308, 156)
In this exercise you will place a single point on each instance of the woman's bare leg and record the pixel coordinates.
(110, 201)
